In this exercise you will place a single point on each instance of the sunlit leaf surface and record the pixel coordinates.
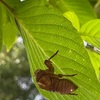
(90, 32)
(95, 59)
(72, 17)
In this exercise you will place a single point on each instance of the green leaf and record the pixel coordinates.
(72, 17)
(0, 28)
(90, 32)
(95, 59)
(9, 35)
(82, 9)
(8, 28)
(0, 39)
(44, 31)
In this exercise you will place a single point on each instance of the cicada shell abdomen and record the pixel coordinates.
(63, 86)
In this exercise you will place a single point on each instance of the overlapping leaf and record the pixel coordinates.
(72, 17)
(95, 59)
(91, 32)
(7, 27)
(0, 28)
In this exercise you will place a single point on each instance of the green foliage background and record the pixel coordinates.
(15, 78)
(46, 26)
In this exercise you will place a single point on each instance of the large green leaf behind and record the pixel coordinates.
(44, 31)
(0, 28)
(82, 8)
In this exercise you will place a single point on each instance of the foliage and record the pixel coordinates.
(48, 26)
